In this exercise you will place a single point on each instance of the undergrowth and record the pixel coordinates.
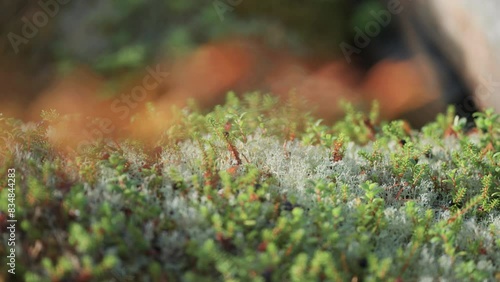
(254, 191)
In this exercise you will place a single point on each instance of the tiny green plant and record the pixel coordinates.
(257, 191)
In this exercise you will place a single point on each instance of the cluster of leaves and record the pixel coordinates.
(261, 192)
(131, 34)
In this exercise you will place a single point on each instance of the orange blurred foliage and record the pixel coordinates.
(239, 64)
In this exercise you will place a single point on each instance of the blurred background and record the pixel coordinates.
(112, 58)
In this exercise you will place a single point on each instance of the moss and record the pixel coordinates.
(258, 191)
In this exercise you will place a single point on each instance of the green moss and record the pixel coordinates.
(259, 191)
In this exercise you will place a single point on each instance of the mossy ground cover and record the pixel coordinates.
(254, 191)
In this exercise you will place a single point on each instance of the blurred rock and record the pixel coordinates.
(460, 38)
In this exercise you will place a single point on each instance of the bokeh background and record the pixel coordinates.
(81, 56)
